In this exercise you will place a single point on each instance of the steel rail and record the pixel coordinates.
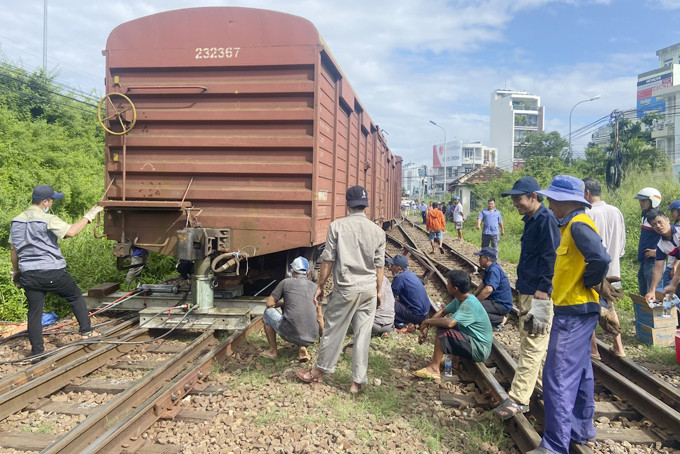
(121, 406)
(518, 427)
(164, 402)
(65, 356)
(646, 404)
(637, 374)
(56, 379)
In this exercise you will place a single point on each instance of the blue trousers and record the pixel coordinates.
(568, 383)
(645, 277)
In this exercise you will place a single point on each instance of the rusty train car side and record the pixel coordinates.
(238, 121)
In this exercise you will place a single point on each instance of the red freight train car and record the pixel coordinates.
(238, 122)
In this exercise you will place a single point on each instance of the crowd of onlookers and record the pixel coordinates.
(567, 280)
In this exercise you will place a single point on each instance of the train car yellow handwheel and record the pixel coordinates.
(120, 107)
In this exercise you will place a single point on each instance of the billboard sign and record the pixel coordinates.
(454, 154)
(646, 87)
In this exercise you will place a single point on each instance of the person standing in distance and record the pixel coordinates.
(493, 225)
(458, 216)
(436, 225)
(609, 222)
(650, 199)
(355, 254)
(38, 265)
(540, 239)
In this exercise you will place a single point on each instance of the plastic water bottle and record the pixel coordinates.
(667, 305)
(448, 366)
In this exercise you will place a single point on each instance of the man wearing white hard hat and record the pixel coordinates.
(301, 321)
(650, 199)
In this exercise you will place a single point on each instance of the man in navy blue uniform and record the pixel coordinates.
(411, 303)
(494, 293)
(540, 239)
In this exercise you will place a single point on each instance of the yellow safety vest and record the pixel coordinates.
(568, 289)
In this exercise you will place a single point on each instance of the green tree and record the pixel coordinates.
(537, 144)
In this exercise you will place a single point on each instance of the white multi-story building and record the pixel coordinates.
(513, 114)
(461, 158)
(413, 180)
(659, 91)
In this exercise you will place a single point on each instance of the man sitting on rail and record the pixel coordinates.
(302, 319)
(495, 293)
(466, 333)
(411, 303)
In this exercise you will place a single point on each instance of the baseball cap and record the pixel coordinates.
(356, 196)
(565, 188)
(44, 192)
(300, 265)
(398, 260)
(525, 185)
(487, 252)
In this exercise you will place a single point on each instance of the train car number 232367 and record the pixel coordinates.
(217, 52)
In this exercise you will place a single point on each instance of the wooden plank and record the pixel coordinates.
(24, 441)
(134, 365)
(153, 448)
(195, 415)
(101, 290)
(166, 348)
(210, 390)
(70, 408)
(613, 412)
(99, 386)
(632, 436)
(448, 398)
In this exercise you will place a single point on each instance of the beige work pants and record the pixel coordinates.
(343, 309)
(532, 350)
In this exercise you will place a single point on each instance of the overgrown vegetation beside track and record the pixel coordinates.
(50, 135)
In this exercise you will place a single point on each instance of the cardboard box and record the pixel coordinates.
(653, 317)
(660, 337)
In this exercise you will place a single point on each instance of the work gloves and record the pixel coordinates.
(607, 291)
(608, 322)
(94, 211)
(537, 320)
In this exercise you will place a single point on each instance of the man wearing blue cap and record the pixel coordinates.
(38, 265)
(580, 268)
(411, 303)
(302, 319)
(540, 238)
(458, 216)
(495, 293)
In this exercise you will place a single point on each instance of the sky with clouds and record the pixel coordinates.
(411, 61)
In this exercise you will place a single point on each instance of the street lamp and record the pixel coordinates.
(444, 153)
(571, 153)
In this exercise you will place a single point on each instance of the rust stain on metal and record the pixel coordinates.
(257, 114)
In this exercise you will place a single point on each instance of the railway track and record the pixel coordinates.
(103, 396)
(628, 392)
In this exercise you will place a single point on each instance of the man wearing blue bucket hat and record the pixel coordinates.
(580, 268)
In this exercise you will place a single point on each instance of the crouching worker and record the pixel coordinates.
(302, 320)
(466, 333)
